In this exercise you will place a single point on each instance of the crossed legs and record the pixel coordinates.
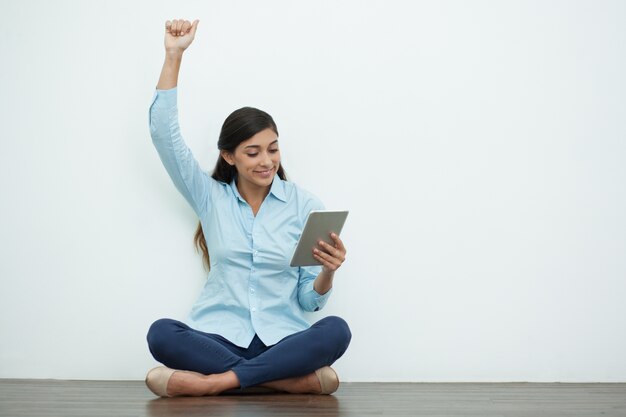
(214, 365)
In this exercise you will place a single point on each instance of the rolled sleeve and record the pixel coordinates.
(309, 299)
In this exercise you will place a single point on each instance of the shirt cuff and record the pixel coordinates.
(164, 98)
(172, 90)
(320, 300)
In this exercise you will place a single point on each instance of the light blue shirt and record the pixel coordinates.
(250, 288)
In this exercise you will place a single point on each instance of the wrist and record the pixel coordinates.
(322, 287)
(173, 54)
(328, 273)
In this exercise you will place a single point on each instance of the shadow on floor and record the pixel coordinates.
(245, 405)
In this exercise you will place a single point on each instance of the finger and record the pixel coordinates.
(330, 249)
(194, 27)
(325, 263)
(338, 242)
(179, 27)
(328, 258)
(168, 26)
(186, 26)
(183, 25)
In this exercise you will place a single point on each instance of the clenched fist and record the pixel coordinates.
(179, 34)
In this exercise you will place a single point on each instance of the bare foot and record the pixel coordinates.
(307, 384)
(195, 384)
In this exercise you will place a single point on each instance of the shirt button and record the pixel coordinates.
(251, 290)
(253, 309)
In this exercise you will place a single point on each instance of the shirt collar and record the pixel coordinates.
(233, 187)
(277, 189)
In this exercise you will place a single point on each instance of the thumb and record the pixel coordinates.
(194, 27)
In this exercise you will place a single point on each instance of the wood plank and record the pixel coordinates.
(52, 398)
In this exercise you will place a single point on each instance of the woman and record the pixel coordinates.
(247, 328)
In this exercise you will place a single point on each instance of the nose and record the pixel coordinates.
(267, 161)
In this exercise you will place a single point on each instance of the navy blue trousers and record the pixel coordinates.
(178, 346)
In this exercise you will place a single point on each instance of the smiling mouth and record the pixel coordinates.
(267, 171)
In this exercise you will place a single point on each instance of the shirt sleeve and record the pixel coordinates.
(309, 299)
(193, 183)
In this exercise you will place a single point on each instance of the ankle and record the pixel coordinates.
(218, 383)
(306, 384)
(213, 385)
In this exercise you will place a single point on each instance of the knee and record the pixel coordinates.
(159, 335)
(340, 330)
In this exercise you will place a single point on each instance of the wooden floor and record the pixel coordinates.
(131, 398)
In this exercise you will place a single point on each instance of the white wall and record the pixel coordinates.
(480, 147)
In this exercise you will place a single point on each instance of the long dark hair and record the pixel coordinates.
(238, 127)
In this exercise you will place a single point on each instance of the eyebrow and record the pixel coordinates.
(258, 146)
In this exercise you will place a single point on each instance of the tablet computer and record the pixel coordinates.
(318, 226)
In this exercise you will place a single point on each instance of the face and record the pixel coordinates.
(256, 159)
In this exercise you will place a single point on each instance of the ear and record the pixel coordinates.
(228, 157)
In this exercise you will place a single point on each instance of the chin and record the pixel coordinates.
(267, 181)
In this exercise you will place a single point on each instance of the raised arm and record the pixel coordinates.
(178, 36)
(193, 183)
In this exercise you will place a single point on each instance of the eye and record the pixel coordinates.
(252, 155)
(273, 150)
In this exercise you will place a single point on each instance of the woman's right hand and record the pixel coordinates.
(179, 34)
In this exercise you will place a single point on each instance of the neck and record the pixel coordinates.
(253, 194)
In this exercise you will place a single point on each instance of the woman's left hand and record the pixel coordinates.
(331, 256)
